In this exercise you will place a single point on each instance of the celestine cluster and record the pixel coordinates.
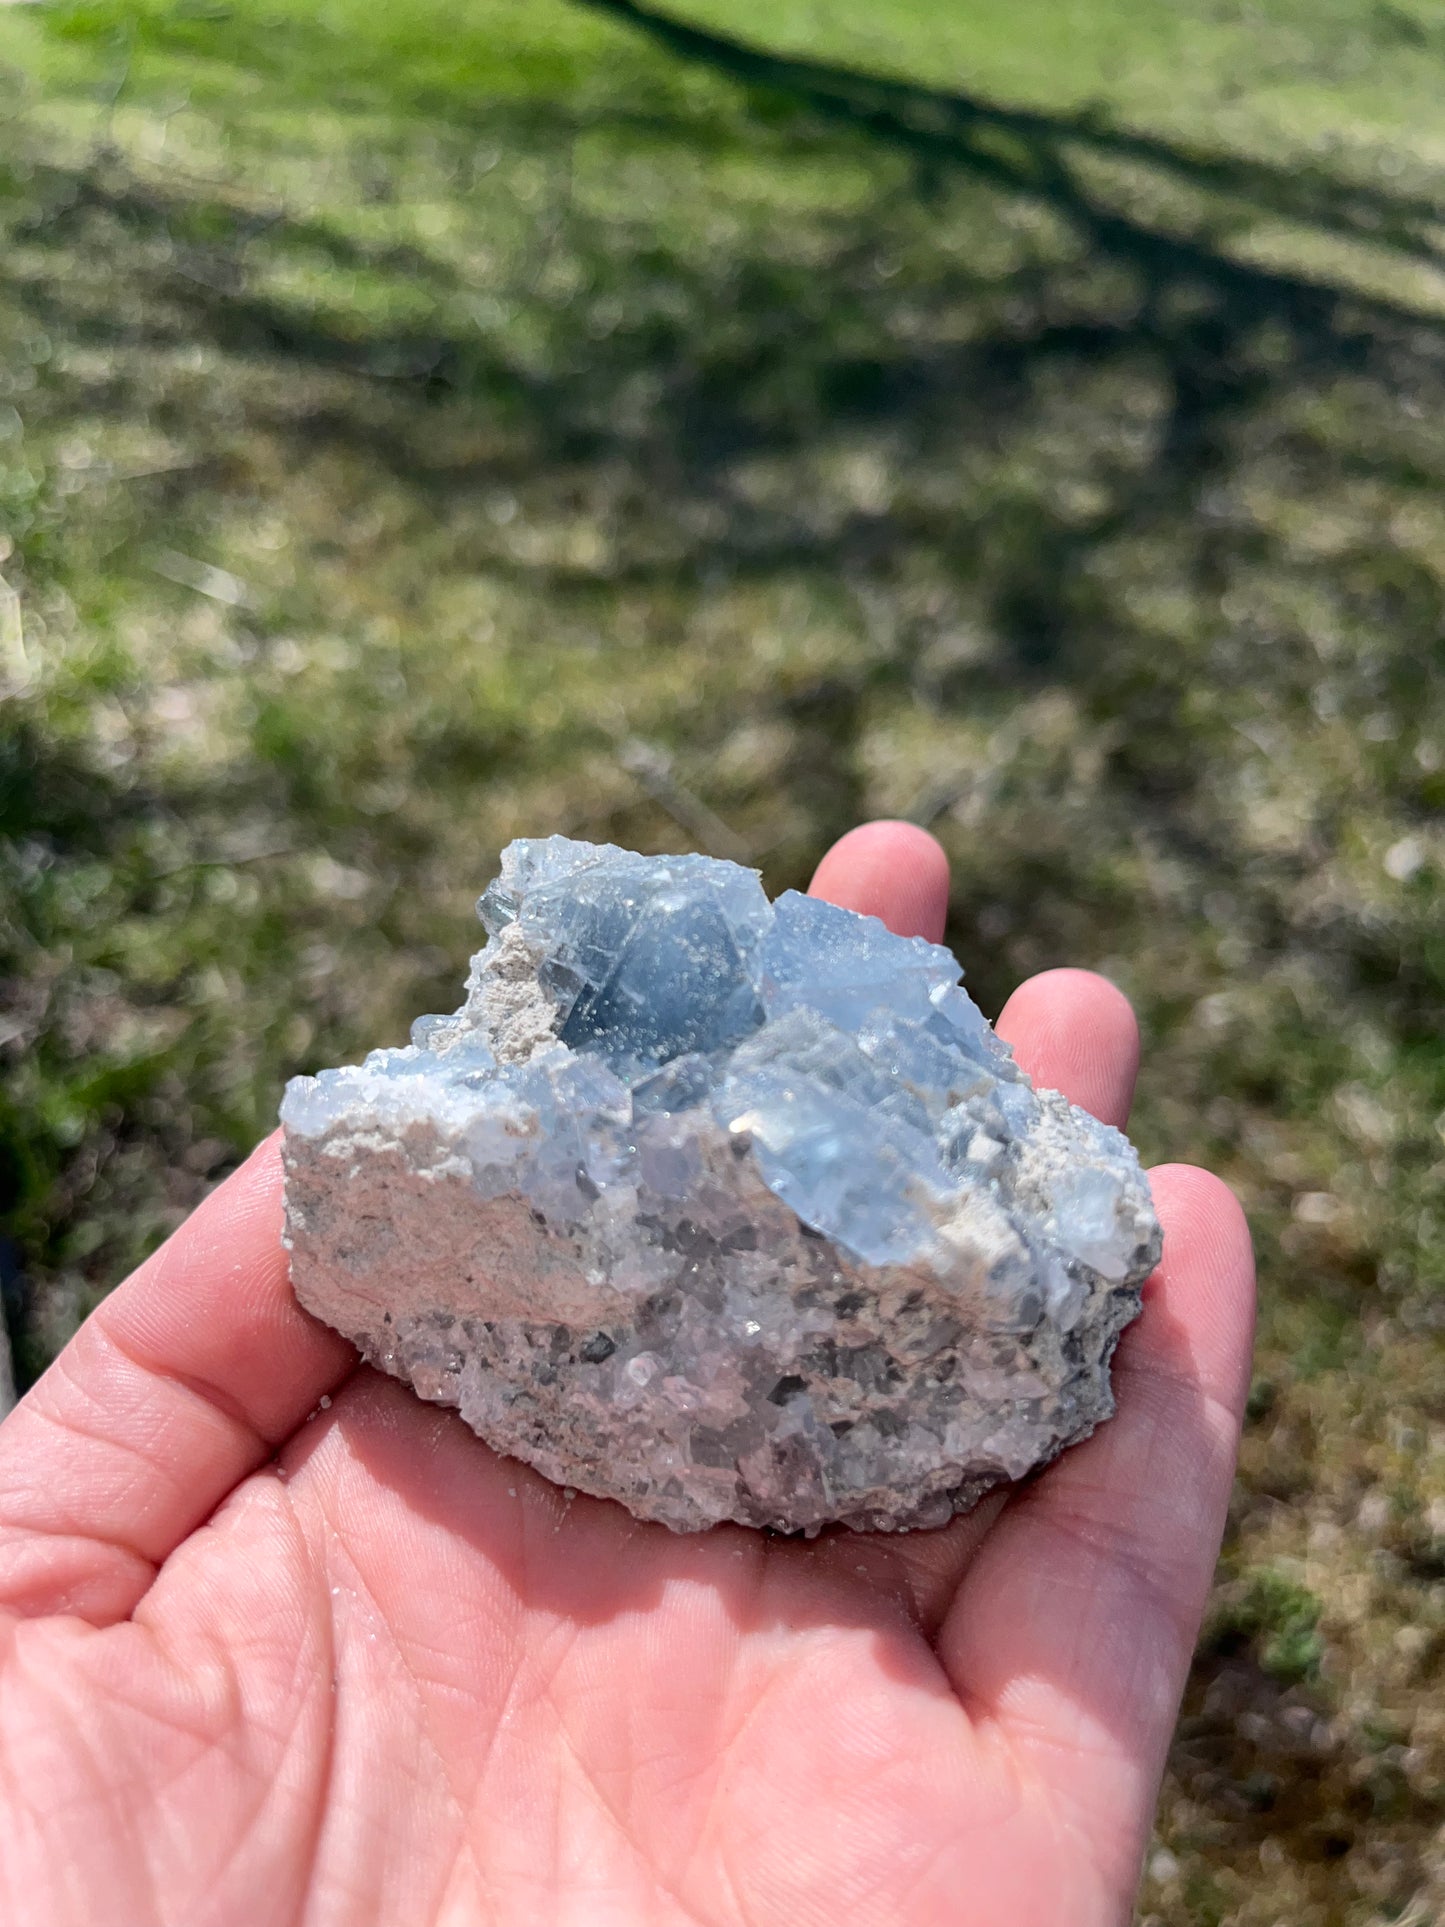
(722, 1208)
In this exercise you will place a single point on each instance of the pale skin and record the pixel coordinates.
(267, 1661)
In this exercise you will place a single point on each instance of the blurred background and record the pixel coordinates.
(425, 425)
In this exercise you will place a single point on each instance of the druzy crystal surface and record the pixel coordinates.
(723, 1208)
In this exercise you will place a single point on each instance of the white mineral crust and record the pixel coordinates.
(722, 1208)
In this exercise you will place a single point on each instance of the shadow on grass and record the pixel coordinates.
(1124, 403)
(1032, 151)
(1078, 406)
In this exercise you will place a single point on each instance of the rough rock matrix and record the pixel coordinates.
(723, 1208)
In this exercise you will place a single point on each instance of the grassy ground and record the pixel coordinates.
(420, 428)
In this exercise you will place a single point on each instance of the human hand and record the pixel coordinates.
(279, 1643)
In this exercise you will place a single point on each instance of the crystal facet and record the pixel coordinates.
(722, 1208)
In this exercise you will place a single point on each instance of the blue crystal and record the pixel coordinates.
(845, 966)
(729, 1209)
(865, 1078)
(676, 981)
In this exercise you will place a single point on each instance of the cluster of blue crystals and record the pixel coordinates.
(818, 1250)
(844, 1051)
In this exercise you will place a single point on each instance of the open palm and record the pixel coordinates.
(281, 1644)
